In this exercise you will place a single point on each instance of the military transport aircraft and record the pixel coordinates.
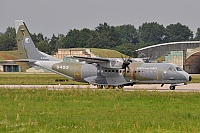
(102, 72)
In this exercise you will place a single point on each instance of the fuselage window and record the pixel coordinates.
(113, 71)
(117, 71)
(109, 71)
(105, 71)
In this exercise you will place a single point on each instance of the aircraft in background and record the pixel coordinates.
(102, 72)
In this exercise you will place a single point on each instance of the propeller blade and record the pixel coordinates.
(122, 57)
(126, 62)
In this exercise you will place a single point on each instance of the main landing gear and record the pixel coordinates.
(109, 87)
(99, 86)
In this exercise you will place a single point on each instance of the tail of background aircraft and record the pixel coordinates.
(26, 46)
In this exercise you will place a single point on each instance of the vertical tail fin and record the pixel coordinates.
(26, 46)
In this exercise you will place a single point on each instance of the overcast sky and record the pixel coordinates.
(58, 16)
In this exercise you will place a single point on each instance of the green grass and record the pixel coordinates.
(195, 78)
(25, 110)
(33, 79)
(107, 53)
(8, 55)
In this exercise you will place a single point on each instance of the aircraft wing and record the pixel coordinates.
(19, 60)
(91, 59)
(104, 62)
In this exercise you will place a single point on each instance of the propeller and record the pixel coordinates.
(126, 63)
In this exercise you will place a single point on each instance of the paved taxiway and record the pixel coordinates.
(148, 87)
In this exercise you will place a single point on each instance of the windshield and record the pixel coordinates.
(178, 69)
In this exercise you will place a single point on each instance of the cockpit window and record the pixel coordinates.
(178, 69)
(171, 69)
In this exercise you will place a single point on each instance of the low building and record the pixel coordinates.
(5, 67)
(73, 52)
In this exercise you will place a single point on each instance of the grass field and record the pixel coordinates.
(8, 55)
(34, 79)
(107, 53)
(98, 111)
(195, 78)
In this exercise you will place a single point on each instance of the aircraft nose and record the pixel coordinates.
(190, 78)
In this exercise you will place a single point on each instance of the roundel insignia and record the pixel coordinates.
(27, 40)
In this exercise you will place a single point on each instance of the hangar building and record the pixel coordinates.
(185, 54)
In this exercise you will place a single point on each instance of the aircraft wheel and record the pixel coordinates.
(111, 87)
(120, 86)
(106, 86)
(99, 86)
(172, 87)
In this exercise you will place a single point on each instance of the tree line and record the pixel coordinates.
(123, 38)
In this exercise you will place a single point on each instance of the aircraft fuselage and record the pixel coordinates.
(157, 73)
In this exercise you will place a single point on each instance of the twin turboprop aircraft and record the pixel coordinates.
(103, 72)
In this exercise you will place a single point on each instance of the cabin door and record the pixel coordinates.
(160, 74)
(77, 72)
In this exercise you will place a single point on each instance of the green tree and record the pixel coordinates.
(101, 39)
(76, 38)
(178, 32)
(127, 34)
(104, 36)
(41, 42)
(54, 44)
(38, 37)
(127, 48)
(1, 41)
(151, 33)
(197, 37)
(60, 42)
(43, 46)
(101, 28)
(7, 39)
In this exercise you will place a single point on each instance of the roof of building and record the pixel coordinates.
(171, 43)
